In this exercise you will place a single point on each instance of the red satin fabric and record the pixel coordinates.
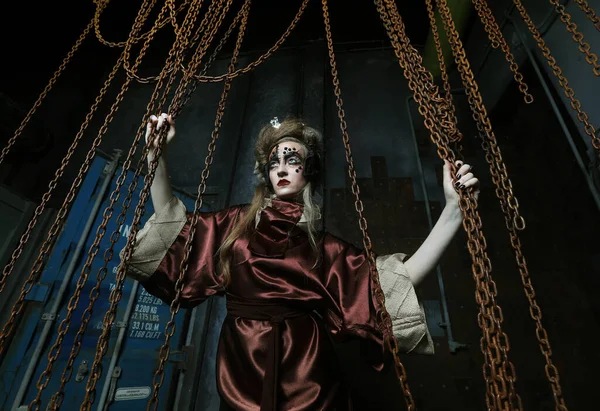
(273, 265)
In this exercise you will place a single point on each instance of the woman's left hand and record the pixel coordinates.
(463, 180)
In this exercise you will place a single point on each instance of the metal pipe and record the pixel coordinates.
(51, 315)
(559, 117)
(102, 401)
(452, 344)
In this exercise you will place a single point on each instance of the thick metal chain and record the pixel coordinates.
(53, 232)
(161, 23)
(499, 177)
(261, 59)
(589, 12)
(47, 89)
(170, 327)
(184, 91)
(443, 70)
(55, 349)
(382, 314)
(583, 46)
(582, 116)
(189, 91)
(438, 122)
(495, 35)
(178, 49)
(495, 159)
(37, 267)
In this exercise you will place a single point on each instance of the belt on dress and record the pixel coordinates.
(276, 314)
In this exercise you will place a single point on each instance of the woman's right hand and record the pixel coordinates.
(155, 124)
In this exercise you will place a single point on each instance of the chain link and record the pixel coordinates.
(438, 122)
(44, 378)
(38, 264)
(382, 314)
(176, 55)
(184, 91)
(589, 12)
(510, 207)
(443, 70)
(508, 202)
(582, 116)
(180, 283)
(583, 46)
(262, 58)
(100, 6)
(495, 35)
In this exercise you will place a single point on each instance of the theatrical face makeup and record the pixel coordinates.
(286, 169)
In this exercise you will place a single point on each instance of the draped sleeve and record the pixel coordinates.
(351, 311)
(160, 248)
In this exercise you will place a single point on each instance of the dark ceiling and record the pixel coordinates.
(39, 34)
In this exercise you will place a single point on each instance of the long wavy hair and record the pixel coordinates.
(269, 136)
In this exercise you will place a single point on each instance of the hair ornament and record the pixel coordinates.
(275, 122)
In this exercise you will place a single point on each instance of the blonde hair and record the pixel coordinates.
(311, 141)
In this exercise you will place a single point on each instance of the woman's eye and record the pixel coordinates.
(272, 165)
(294, 161)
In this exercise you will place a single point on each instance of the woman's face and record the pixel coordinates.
(286, 169)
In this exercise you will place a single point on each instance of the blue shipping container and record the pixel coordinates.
(130, 384)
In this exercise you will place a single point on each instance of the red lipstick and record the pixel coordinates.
(282, 183)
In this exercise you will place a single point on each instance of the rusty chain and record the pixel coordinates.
(438, 122)
(184, 91)
(55, 349)
(444, 72)
(589, 12)
(494, 158)
(100, 7)
(53, 232)
(582, 116)
(583, 46)
(503, 185)
(180, 283)
(262, 58)
(177, 51)
(46, 90)
(382, 314)
(495, 35)
(189, 91)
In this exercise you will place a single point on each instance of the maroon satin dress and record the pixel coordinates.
(274, 352)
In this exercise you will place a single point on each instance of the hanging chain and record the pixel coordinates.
(589, 12)
(435, 112)
(583, 46)
(495, 35)
(382, 314)
(582, 116)
(37, 267)
(46, 90)
(161, 23)
(189, 91)
(215, 21)
(444, 72)
(504, 191)
(170, 327)
(179, 47)
(496, 163)
(261, 59)
(55, 349)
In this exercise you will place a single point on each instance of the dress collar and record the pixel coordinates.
(279, 225)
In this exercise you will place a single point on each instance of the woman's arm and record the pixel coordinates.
(160, 190)
(432, 249)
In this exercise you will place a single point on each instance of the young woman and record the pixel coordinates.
(287, 284)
